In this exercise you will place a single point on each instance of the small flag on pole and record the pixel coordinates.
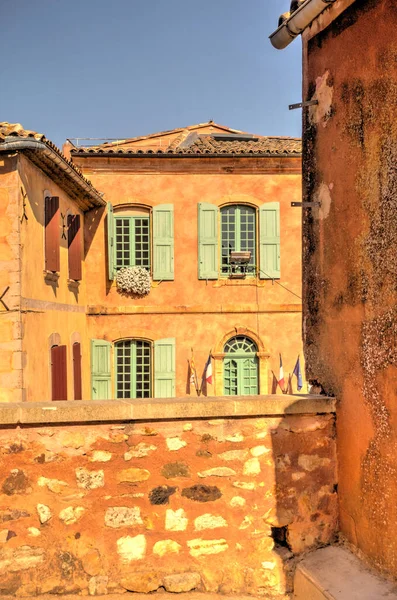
(298, 374)
(281, 381)
(274, 384)
(193, 375)
(208, 371)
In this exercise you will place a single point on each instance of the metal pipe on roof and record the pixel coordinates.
(25, 144)
(297, 22)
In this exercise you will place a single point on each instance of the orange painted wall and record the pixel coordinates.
(198, 313)
(350, 249)
(40, 307)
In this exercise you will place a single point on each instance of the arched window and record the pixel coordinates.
(132, 239)
(133, 365)
(240, 367)
(238, 234)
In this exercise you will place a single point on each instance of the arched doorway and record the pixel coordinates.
(240, 367)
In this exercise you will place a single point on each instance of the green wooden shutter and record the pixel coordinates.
(207, 241)
(164, 368)
(100, 370)
(111, 251)
(269, 227)
(163, 242)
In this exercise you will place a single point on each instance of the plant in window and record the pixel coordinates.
(133, 280)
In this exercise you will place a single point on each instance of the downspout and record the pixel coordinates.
(297, 22)
(11, 144)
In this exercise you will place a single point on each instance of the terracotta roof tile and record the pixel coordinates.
(15, 130)
(215, 144)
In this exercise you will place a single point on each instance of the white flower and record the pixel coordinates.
(134, 280)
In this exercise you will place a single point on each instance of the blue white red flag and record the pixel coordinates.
(281, 381)
(298, 374)
(208, 370)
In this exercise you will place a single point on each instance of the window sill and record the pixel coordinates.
(51, 276)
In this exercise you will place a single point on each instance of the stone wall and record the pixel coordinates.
(214, 504)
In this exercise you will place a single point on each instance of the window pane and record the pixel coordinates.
(122, 242)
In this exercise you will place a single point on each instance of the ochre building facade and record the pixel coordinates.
(179, 204)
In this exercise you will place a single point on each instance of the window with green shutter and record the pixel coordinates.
(132, 241)
(207, 241)
(131, 237)
(164, 368)
(240, 367)
(101, 370)
(133, 366)
(238, 234)
(269, 227)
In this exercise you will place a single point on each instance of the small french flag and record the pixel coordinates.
(208, 370)
(281, 381)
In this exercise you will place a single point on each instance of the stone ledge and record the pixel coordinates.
(334, 573)
(161, 409)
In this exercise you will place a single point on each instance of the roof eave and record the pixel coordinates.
(56, 166)
(185, 155)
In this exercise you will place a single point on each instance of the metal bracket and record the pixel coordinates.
(306, 204)
(303, 104)
(2, 296)
(63, 226)
(24, 196)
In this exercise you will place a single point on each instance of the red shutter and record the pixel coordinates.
(77, 371)
(51, 218)
(74, 247)
(58, 373)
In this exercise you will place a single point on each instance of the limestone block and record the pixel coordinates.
(100, 456)
(140, 451)
(166, 547)
(208, 521)
(91, 562)
(98, 586)
(44, 513)
(237, 502)
(131, 548)
(89, 480)
(71, 514)
(33, 532)
(144, 583)
(182, 582)
(259, 450)
(16, 483)
(54, 485)
(245, 485)
(132, 475)
(252, 467)
(234, 455)
(24, 557)
(122, 516)
(12, 515)
(217, 472)
(176, 520)
(175, 443)
(199, 547)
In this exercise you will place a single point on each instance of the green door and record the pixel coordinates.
(133, 369)
(240, 367)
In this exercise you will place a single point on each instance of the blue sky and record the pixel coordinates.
(121, 68)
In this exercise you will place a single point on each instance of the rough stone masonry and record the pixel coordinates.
(222, 505)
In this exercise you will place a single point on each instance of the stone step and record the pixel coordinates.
(334, 573)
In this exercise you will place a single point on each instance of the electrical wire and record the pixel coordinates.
(280, 284)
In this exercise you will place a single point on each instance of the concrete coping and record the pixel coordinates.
(163, 409)
(334, 573)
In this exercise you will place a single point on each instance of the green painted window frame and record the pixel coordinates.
(133, 368)
(235, 360)
(129, 241)
(231, 233)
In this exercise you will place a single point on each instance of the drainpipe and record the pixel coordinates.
(12, 144)
(297, 22)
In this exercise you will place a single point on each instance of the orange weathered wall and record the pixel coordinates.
(198, 313)
(180, 505)
(10, 277)
(42, 306)
(349, 257)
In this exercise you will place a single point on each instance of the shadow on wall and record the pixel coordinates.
(305, 515)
